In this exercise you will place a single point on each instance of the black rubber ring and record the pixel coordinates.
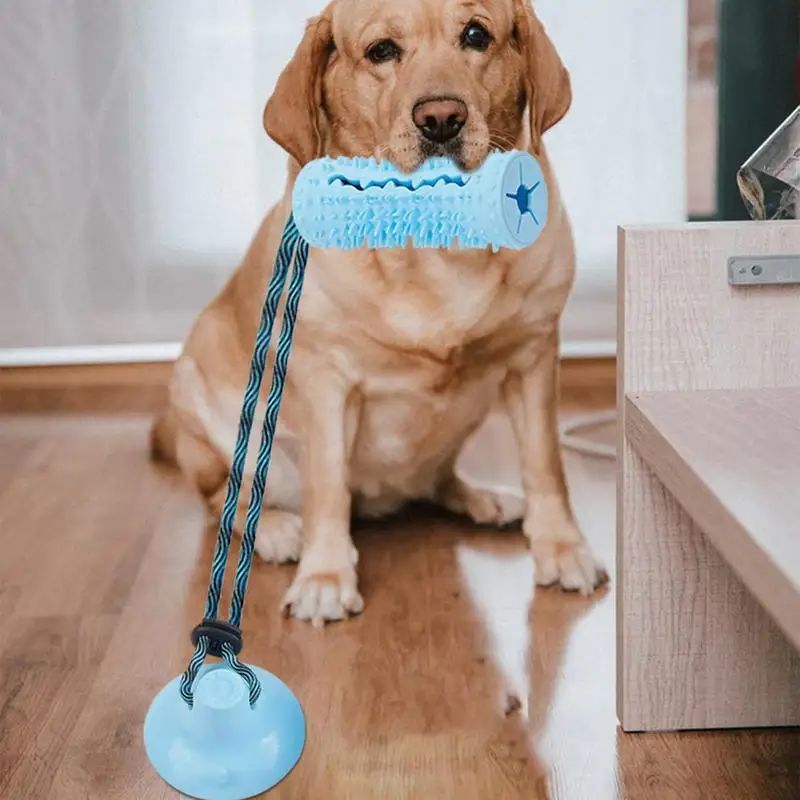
(218, 633)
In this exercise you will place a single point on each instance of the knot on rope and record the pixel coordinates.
(218, 633)
(212, 636)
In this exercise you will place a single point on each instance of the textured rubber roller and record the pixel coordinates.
(348, 203)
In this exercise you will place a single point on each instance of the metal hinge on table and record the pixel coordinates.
(763, 270)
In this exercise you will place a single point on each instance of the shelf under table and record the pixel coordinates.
(731, 458)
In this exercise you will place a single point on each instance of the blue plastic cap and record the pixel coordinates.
(222, 749)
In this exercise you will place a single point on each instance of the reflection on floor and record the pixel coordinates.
(459, 680)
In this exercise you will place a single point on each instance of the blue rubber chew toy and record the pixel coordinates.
(348, 203)
(229, 731)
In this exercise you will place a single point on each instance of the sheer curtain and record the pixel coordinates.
(621, 151)
(134, 169)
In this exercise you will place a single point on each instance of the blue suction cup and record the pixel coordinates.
(222, 749)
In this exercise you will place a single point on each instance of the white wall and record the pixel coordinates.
(134, 170)
(620, 152)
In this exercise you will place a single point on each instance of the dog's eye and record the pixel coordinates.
(476, 37)
(383, 51)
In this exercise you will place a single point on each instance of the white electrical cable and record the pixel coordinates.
(573, 440)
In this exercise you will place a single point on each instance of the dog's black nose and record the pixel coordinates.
(440, 119)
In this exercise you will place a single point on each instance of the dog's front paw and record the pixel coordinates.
(568, 564)
(324, 595)
(560, 552)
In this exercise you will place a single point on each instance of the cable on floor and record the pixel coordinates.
(573, 434)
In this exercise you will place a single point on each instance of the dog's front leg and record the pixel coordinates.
(326, 585)
(559, 550)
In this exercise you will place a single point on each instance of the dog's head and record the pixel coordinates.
(409, 79)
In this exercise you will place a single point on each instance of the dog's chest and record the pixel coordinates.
(419, 410)
(427, 337)
(404, 434)
(438, 303)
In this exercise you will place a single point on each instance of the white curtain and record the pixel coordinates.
(620, 153)
(134, 169)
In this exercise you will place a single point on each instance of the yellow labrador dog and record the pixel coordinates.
(399, 354)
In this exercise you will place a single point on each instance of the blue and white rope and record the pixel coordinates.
(282, 353)
(246, 674)
(249, 403)
(188, 677)
(292, 248)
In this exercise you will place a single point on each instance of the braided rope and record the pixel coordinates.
(249, 403)
(246, 674)
(188, 677)
(282, 353)
(292, 249)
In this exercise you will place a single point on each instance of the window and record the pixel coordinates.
(742, 85)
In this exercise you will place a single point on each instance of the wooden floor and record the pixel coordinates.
(458, 681)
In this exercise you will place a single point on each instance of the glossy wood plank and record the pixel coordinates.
(48, 666)
(460, 680)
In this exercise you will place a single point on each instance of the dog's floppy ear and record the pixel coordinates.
(547, 81)
(292, 115)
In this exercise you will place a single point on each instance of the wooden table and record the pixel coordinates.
(732, 460)
(708, 539)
